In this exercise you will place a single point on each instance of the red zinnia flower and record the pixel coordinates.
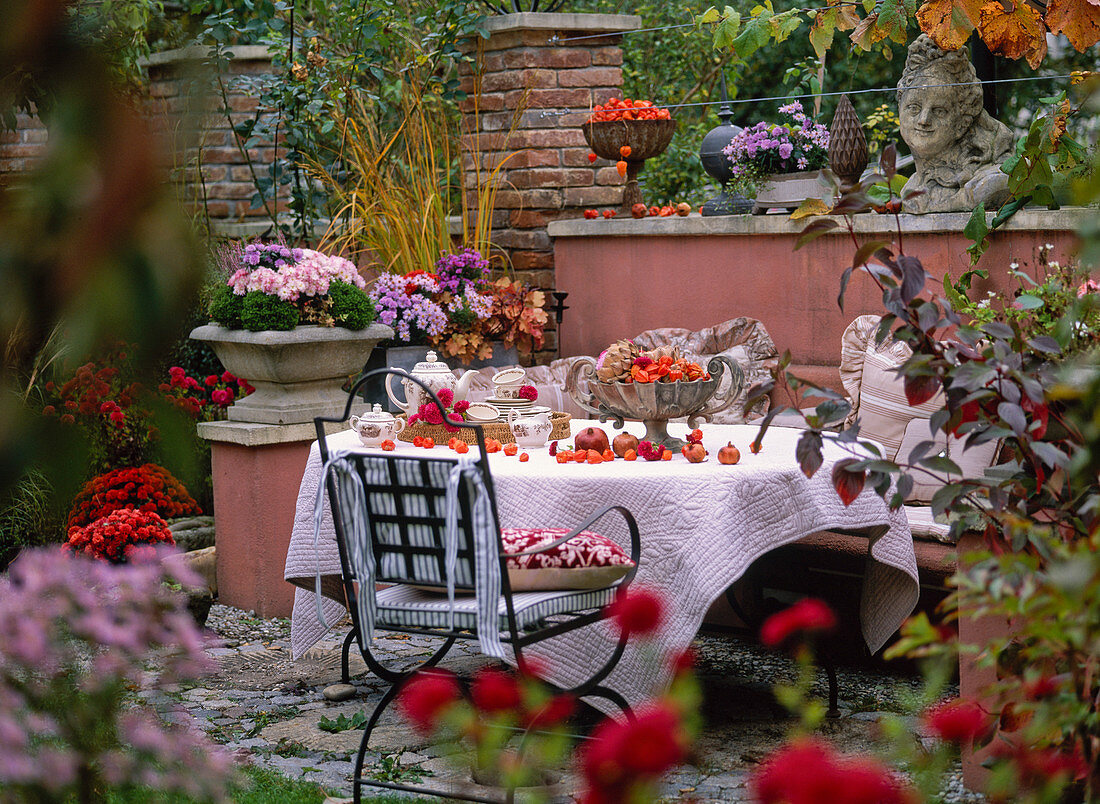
(958, 721)
(495, 691)
(639, 611)
(426, 696)
(807, 616)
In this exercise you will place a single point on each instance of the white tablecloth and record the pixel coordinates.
(701, 525)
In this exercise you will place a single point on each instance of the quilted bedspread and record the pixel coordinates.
(701, 525)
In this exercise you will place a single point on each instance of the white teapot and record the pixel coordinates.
(376, 426)
(435, 374)
(531, 430)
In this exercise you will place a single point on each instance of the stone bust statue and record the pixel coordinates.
(957, 147)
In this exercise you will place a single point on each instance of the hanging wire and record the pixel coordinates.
(559, 112)
(557, 40)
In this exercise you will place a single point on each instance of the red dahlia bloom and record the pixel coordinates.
(495, 691)
(958, 721)
(807, 616)
(426, 696)
(639, 611)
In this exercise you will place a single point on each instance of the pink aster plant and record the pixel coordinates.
(796, 143)
(76, 639)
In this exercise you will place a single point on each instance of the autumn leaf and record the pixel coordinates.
(1014, 34)
(866, 34)
(810, 207)
(919, 389)
(1077, 19)
(949, 22)
(848, 482)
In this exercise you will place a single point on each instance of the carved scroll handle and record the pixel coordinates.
(717, 366)
(583, 368)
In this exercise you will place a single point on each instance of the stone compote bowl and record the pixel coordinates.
(646, 138)
(654, 403)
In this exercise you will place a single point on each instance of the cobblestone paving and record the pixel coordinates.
(267, 708)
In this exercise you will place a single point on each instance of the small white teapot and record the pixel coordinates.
(531, 430)
(434, 373)
(376, 426)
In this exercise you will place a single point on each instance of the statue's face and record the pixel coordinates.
(930, 119)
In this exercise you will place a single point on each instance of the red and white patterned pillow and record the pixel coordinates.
(587, 561)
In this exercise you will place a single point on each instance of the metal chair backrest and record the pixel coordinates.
(404, 509)
(406, 519)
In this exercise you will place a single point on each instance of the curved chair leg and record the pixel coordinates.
(357, 774)
(834, 688)
(394, 676)
(345, 657)
(611, 695)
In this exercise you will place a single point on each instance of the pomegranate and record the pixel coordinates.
(591, 438)
(639, 210)
(729, 454)
(696, 453)
(623, 443)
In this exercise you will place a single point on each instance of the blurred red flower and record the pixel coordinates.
(639, 611)
(958, 721)
(807, 616)
(494, 690)
(426, 696)
(622, 754)
(810, 771)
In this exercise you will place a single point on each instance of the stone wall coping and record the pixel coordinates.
(253, 434)
(1065, 219)
(538, 21)
(201, 52)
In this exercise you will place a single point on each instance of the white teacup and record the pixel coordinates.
(506, 384)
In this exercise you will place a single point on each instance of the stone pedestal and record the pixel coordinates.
(257, 469)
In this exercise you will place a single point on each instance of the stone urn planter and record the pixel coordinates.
(788, 190)
(297, 374)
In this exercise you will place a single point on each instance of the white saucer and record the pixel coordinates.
(510, 403)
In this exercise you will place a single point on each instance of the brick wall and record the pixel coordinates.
(21, 149)
(526, 75)
(187, 110)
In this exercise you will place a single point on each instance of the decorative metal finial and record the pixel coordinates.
(717, 165)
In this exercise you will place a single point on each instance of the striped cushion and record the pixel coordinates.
(405, 607)
(972, 461)
(883, 410)
(924, 526)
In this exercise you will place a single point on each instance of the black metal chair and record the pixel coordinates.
(419, 521)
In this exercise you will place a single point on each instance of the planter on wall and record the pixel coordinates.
(297, 374)
(406, 357)
(788, 190)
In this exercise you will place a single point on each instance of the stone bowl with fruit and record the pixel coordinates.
(629, 132)
(627, 383)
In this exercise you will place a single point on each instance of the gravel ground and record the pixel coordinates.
(267, 708)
